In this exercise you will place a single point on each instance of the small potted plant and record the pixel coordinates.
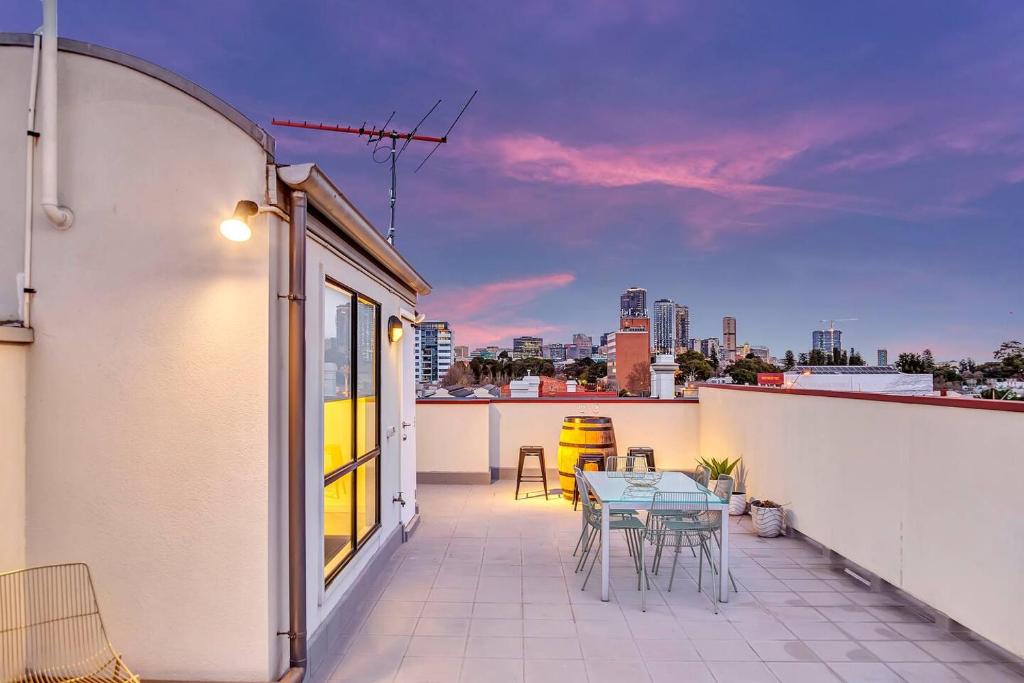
(738, 502)
(768, 516)
(717, 468)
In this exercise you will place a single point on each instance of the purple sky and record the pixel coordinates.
(778, 162)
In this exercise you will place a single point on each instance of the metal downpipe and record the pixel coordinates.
(297, 438)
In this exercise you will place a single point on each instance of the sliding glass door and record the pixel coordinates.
(351, 426)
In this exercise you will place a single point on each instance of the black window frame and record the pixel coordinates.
(372, 454)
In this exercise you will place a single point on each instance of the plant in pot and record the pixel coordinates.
(738, 501)
(768, 516)
(718, 467)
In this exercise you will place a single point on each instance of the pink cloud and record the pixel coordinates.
(491, 312)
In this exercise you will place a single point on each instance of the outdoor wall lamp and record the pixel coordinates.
(237, 227)
(395, 330)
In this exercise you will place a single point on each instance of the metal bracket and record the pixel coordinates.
(399, 499)
(291, 297)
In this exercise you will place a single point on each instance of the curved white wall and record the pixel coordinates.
(148, 421)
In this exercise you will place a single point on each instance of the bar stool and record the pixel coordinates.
(643, 451)
(538, 451)
(581, 461)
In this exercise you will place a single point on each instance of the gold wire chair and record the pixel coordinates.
(51, 629)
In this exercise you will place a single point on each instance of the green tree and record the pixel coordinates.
(714, 359)
(856, 359)
(915, 363)
(693, 367)
(790, 360)
(745, 371)
(817, 357)
(804, 359)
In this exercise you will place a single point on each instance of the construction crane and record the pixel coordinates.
(376, 135)
(832, 323)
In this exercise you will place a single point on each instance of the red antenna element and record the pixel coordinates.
(375, 135)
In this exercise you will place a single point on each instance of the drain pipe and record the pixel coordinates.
(60, 216)
(297, 439)
(30, 149)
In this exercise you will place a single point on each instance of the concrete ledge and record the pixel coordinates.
(10, 334)
(453, 477)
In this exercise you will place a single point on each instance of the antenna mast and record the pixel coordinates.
(394, 153)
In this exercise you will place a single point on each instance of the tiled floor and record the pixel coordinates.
(485, 591)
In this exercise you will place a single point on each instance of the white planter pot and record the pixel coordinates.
(767, 521)
(711, 485)
(737, 504)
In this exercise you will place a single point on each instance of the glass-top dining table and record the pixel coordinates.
(614, 493)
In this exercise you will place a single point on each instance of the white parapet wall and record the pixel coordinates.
(923, 492)
(462, 441)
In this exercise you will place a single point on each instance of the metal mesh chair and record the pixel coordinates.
(630, 526)
(679, 520)
(51, 629)
(626, 463)
(702, 475)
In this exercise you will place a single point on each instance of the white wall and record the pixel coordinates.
(925, 496)
(322, 262)
(472, 437)
(13, 359)
(148, 421)
(452, 437)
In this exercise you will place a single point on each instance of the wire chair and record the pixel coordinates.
(702, 475)
(617, 464)
(51, 629)
(631, 527)
(678, 520)
(723, 490)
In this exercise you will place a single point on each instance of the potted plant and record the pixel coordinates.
(738, 502)
(717, 468)
(768, 516)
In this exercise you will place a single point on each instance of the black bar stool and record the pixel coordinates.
(643, 451)
(581, 461)
(538, 451)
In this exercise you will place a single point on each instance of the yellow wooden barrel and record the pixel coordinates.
(582, 434)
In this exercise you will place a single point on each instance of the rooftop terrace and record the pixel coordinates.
(485, 591)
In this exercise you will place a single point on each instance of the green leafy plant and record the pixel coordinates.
(719, 467)
(765, 504)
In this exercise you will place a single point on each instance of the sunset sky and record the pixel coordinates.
(780, 162)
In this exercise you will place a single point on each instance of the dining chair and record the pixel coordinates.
(676, 520)
(631, 527)
(723, 490)
(702, 475)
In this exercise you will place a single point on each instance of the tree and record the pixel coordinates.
(714, 359)
(855, 359)
(790, 360)
(915, 363)
(804, 360)
(503, 355)
(693, 367)
(458, 375)
(817, 357)
(1009, 349)
(639, 381)
(745, 371)
(837, 357)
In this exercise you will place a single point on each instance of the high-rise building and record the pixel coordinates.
(555, 352)
(744, 350)
(693, 344)
(584, 345)
(633, 303)
(761, 352)
(434, 350)
(572, 352)
(681, 336)
(527, 347)
(636, 324)
(629, 360)
(711, 346)
(462, 354)
(729, 337)
(883, 357)
(827, 340)
(664, 324)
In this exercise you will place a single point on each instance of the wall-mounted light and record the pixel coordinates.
(237, 227)
(395, 330)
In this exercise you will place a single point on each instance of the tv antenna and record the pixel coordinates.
(376, 136)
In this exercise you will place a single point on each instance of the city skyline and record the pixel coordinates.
(879, 178)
